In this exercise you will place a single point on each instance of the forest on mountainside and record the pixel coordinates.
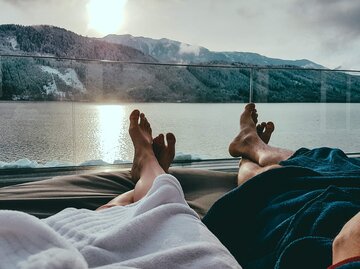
(78, 80)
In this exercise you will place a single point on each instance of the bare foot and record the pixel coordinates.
(264, 131)
(145, 166)
(248, 143)
(164, 153)
(248, 137)
(141, 136)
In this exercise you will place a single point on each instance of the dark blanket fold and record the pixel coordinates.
(288, 217)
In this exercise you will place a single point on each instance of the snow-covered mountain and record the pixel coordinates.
(170, 51)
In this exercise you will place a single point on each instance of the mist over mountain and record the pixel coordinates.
(170, 51)
(33, 78)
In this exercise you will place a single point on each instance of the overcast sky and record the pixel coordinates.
(324, 31)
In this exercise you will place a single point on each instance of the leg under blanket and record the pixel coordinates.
(288, 217)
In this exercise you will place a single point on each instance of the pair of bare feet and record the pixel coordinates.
(152, 157)
(251, 142)
(251, 135)
(252, 145)
(145, 146)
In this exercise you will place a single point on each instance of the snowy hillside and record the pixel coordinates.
(69, 77)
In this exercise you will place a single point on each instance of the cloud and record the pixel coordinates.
(331, 24)
(340, 17)
(26, 2)
(69, 14)
(189, 49)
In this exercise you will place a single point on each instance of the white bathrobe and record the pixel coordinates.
(159, 231)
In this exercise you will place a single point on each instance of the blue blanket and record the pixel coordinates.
(288, 217)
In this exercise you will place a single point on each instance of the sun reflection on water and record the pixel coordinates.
(111, 132)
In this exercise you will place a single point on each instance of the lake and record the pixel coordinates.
(73, 133)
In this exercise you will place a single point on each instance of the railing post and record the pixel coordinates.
(322, 100)
(73, 125)
(262, 85)
(1, 78)
(348, 102)
(251, 96)
(323, 87)
(94, 81)
(348, 89)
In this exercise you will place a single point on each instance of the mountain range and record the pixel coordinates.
(31, 78)
(170, 51)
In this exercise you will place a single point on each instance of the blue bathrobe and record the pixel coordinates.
(288, 217)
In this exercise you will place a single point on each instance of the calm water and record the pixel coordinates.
(78, 132)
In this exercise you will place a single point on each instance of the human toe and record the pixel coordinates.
(134, 118)
(250, 107)
(170, 139)
(270, 127)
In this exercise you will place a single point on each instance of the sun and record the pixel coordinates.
(105, 16)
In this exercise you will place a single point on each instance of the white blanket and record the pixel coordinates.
(159, 231)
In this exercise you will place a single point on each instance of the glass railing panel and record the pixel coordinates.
(34, 132)
(310, 108)
(221, 84)
(176, 99)
(75, 112)
(340, 121)
(286, 85)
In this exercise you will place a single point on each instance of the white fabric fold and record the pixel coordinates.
(159, 231)
(26, 242)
